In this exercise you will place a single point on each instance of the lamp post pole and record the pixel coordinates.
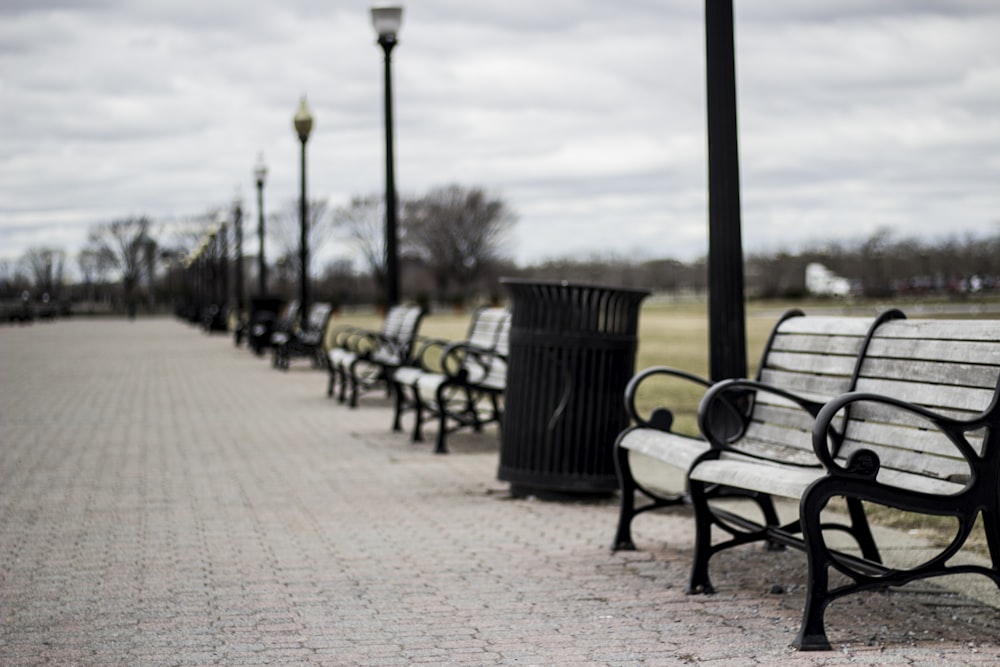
(303, 122)
(727, 321)
(238, 223)
(260, 173)
(387, 21)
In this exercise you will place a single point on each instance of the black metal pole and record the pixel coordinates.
(303, 238)
(261, 264)
(223, 245)
(238, 222)
(727, 326)
(387, 42)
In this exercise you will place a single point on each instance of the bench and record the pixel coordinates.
(812, 356)
(459, 384)
(920, 432)
(260, 323)
(361, 359)
(304, 341)
(266, 333)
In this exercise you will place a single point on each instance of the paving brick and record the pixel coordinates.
(167, 498)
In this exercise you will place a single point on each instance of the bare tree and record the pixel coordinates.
(13, 281)
(458, 232)
(284, 228)
(364, 222)
(122, 246)
(45, 266)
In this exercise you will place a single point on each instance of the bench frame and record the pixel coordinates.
(365, 358)
(467, 379)
(853, 476)
(305, 341)
(637, 498)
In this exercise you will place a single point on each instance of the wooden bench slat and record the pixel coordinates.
(824, 364)
(883, 414)
(913, 435)
(939, 467)
(789, 415)
(827, 325)
(838, 345)
(939, 350)
(930, 395)
(984, 330)
(809, 386)
(932, 372)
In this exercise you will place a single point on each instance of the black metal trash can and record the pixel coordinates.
(264, 312)
(572, 351)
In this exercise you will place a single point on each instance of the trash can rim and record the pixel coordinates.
(569, 283)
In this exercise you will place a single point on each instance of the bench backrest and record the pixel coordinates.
(951, 367)
(393, 322)
(491, 331)
(488, 326)
(291, 312)
(815, 357)
(319, 317)
(409, 326)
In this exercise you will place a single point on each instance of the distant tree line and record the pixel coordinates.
(453, 250)
(453, 246)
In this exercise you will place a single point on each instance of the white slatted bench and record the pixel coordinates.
(459, 384)
(361, 359)
(811, 358)
(304, 341)
(919, 433)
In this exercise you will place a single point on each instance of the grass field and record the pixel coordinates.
(676, 335)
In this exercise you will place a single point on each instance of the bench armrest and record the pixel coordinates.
(464, 362)
(427, 353)
(725, 410)
(661, 418)
(340, 336)
(363, 342)
(865, 463)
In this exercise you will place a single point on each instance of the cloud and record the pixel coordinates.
(587, 117)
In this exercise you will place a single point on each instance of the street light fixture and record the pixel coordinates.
(260, 174)
(387, 21)
(303, 123)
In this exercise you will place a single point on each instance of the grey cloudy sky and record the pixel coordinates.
(587, 116)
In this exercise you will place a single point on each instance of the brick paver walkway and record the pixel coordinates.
(169, 499)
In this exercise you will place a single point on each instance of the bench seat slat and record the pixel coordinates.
(789, 482)
(679, 450)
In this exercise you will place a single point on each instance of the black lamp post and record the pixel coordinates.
(303, 122)
(387, 21)
(238, 229)
(727, 322)
(260, 173)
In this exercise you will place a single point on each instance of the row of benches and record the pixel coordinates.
(843, 413)
(458, 384)
(859, 411)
